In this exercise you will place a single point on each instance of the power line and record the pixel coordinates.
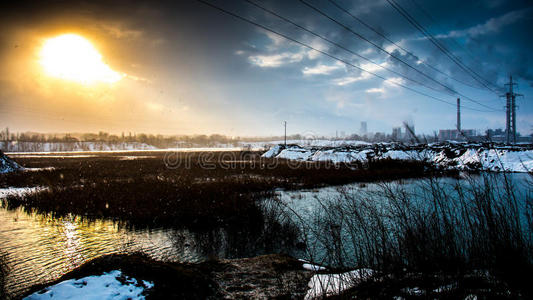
(394, 56)
(465, 49)
(430, 17)
(437, 44)
(394, 43)
(326, 53)
(339, 46)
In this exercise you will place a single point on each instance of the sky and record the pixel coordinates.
(187, 68)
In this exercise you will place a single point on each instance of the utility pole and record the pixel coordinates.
(459, 114)
(7, 139)
(285, 124)
(458, 117)
(510, 112)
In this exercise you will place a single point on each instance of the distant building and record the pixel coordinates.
(500, 135)
(454, 134)
(397, 133)
(364, 130)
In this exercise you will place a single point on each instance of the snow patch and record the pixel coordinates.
(323, 285)
(13, 191)
(312, 267)
(105, 286)
(272, 152)
(7, 165)
(130, 157)
(39, 169)
(295, 153)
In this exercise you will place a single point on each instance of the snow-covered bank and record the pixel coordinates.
(111, 285)
(448, 156)
(7, 165)
(19, 191)
(273, 276)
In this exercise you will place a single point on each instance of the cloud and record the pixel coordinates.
(393, 47)
(121, 32)
(350, 79)
(374, 68)
(321, 69)
(137, 78)
(493, 25)
(368, 51)
(319, 45)
(375, 90)
(275, 60)
(391, 84)
(277, 41)
(369, 67)
(394, 81)
(410, 66)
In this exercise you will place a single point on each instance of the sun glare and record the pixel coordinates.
(72, 57)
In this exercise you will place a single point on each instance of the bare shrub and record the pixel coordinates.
(480, 224)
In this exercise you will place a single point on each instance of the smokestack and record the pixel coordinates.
(459, 115)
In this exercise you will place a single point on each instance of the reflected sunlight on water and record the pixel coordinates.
(41, 248)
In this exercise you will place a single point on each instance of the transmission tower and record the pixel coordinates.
(510, 112)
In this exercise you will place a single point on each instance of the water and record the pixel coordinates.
(322, 213)
(306, 203)
(40, 248)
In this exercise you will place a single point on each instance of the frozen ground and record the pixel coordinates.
(448, 156)
(5, 192)
(7, 165)
(112, 285)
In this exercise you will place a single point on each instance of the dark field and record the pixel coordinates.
(200, 190)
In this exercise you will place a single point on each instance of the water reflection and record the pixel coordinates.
(41, 248)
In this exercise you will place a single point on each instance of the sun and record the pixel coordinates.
(72, 57)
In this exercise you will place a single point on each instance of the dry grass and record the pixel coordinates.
(475, 236)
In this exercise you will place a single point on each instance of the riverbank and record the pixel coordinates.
(263, 277)
(448, 156)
